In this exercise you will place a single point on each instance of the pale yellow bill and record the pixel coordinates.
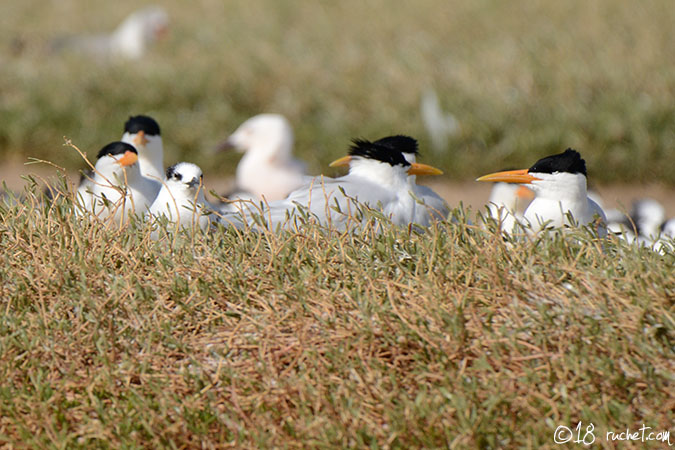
(509, 176)
(423, 169)
(140, 139)
(342, 162)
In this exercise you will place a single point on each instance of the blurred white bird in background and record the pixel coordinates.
(144, 134)
(646, 225)
(506, 203)
(439, 124)
(267, 168)
(130, 41)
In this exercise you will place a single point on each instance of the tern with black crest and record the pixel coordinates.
(143, 133)
(117, 188)
(377, 178)
(559, 186)
(430, 206)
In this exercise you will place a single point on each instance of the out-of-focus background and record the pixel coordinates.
(484, 85)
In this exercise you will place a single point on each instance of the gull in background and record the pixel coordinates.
(267, 169)
(129, 41)
(118, 188)
(144, 134)
(377, 178)
(559, 186)
(181, 199)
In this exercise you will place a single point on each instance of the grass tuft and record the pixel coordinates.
(384, 337)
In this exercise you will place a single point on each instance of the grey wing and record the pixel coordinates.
(596, 210)
(430, 207)
(330, 202)
(97, 46)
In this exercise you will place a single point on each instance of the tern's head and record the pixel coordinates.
(556, 176)
(116, 156)
(184, 175)
(385, 157)
(142, 132)
(404, 144)
(266, 135)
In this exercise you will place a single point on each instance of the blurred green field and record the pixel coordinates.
(524, 79)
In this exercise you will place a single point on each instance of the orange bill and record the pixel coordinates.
(129, 159)
(423, 169)
(524, 193)
(342, 162)
(140, 139)
(509, 176)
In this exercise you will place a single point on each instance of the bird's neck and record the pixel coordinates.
(271, 153)
(566, 187)
(151, 166)
(382, 174)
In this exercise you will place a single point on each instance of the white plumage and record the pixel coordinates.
(559, 185)
(505, 203)
(377, 179)
(430, 206)
(144, 134)
(181, 199)
(129, 41)
(557, 196)
(267, 168)
(118, 189)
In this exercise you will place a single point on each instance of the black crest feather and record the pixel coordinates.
(388, 152)
(142, 123)
(402, 143)
(568, 161)
(116, 148)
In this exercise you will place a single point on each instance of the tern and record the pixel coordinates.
(505, 203)
(181, 199)
(559, 186)
(377, 178)
(118, 188)
(128, 42)
(430, 206)
(144, 134)
(267, 169)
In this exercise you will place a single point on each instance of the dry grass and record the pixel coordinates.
(452, 338)
(525, 79)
